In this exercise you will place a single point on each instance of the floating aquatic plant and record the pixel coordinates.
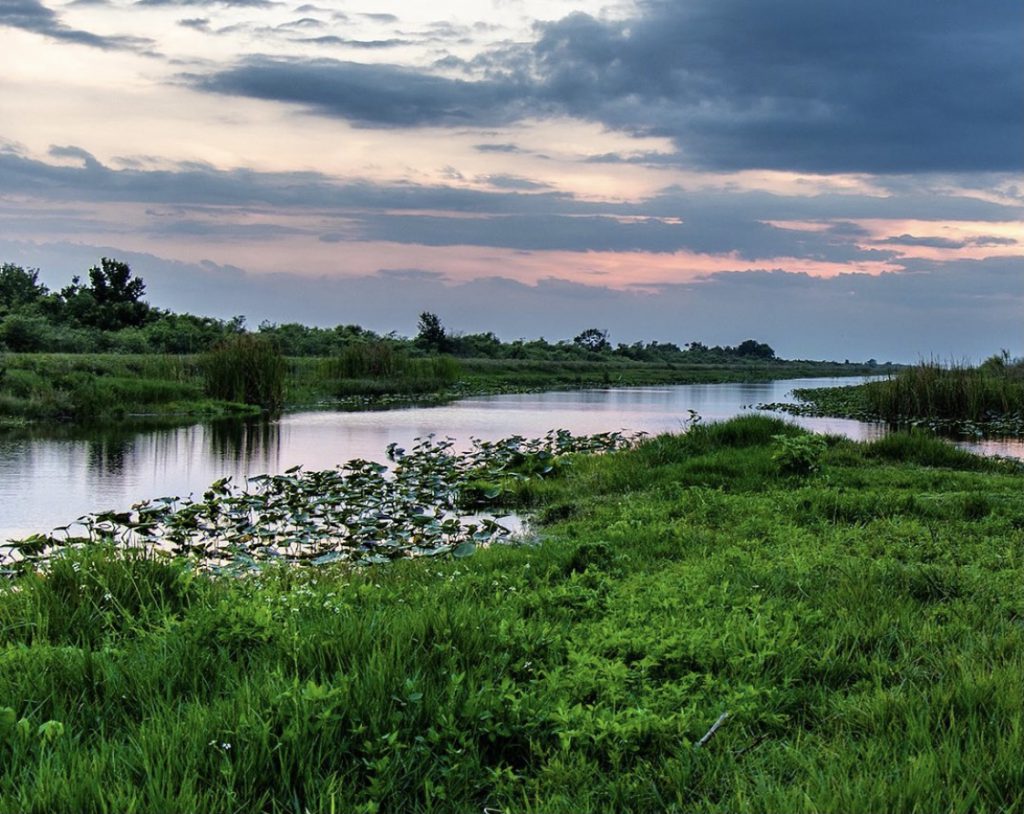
(362, 512)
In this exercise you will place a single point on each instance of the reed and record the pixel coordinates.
(246, 368)
(932, 390)
(381, 368)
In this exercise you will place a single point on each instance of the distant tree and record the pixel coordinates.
(111, 300)
(593, 339)
(19, 287)
(431, 333)
(759, 350)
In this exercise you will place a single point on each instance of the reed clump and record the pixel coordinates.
(246, 368)
(954, 392)
(378, 368)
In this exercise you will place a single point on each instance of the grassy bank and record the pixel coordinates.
(988, 399)
(856, 609)
(91, 387)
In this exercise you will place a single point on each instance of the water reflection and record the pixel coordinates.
(50, 477)
(246, 442)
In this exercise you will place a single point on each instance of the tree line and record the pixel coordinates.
(105, 312)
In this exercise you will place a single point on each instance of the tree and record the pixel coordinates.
(111, 301)
(432, 335)
(19, 287)
(759, 350)
(593, 339)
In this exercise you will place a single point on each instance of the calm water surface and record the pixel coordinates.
(47, 480)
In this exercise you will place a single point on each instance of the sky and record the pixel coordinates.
(840, 180)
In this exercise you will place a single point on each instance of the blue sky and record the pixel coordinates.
(839, 180)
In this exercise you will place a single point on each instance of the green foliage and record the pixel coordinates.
(863, 633)
(593, 340)
(111, 300)
(19, 288)
(431, 334)
(246, 368)
(929, 390)
(799, 454)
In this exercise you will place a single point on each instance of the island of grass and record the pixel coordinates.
(97, 352)
(956, 400)
(849, 614)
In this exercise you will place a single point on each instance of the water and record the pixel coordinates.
(48, 479)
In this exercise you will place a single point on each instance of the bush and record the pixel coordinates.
(799, 454)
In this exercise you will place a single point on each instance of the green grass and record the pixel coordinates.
(861, 625)
(954, 392)
(99, 387)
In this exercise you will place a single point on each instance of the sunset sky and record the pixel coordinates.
(838, 179)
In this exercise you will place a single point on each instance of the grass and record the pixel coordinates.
(245, 377)
(955, 399)
(861, 625)
(246, 369)
(955, 392)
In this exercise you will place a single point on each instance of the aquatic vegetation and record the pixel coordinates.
(957, 400)
(246, 368)
(363, 512)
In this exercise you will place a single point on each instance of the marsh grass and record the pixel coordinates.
(246, 368)
(948, 392)
(84, 387)
(861, 625)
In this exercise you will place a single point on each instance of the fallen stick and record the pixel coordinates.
(711, 732)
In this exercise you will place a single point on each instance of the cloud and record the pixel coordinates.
(879, 86)
(206, 3)
(498, 148)
(947, 243)
(513, 182)
(331, 39)
(371, 95)
(33, 16)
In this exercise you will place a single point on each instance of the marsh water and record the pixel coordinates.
(50, 478)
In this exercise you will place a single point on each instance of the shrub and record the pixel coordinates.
(799, 454)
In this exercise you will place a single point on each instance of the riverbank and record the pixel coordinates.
(854, 608)
(111, 387)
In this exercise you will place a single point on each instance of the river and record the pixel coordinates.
(49, 478)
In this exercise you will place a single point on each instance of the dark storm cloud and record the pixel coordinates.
(377, 95)
(32, 15)
(877, 86)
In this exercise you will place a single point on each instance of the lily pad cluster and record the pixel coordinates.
(362, 512)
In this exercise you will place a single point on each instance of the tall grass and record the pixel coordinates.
(84, 387)
(246, 368)
(956, 392)
(379, 368)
